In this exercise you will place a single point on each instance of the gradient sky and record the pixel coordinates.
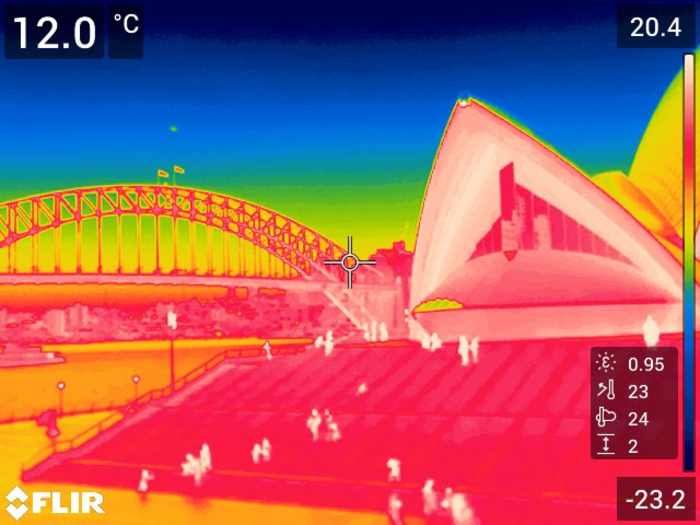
(330, 114)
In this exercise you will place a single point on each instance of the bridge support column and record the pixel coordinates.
(13, 246)
(99, 237)
(57, 249)
(226, 251)
(157, 229)
(174, 245)
(35, 253)
(193, 248)
(138, 243)
(78, 245)
(241, 258)
(35, 237)
(119, 243)
(210, 266)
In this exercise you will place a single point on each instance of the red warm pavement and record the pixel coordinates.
(510, 431)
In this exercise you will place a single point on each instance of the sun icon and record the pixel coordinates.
(605, 361)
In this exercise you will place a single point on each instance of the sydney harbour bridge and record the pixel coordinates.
(152, 234)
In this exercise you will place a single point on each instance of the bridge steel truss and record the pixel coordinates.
(301, 249)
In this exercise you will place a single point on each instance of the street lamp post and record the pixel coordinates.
(60, 385)
(136, 380)
(172, 323)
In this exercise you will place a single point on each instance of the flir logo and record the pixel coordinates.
(80, 503)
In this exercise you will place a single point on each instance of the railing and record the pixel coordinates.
(92, 409)
(67, 445)
(60, 446)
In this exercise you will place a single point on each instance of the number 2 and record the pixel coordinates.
(636, 32)
(44, 44)
(681, 495)
(633, 446)
(640, 503)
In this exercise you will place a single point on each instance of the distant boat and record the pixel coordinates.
(16, 354)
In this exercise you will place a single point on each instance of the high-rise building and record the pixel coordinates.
(55, 321)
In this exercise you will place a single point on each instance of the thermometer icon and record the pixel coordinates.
(608, 390)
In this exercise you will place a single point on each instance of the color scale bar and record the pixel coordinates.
(689, 263)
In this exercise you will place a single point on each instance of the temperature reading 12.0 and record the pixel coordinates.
(73, 31)
(54, 31)
(83, 42)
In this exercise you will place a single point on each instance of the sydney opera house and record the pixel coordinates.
(515, 243)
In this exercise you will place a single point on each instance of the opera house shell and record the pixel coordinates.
(516, 243)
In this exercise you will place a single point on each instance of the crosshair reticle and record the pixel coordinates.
(349, 262)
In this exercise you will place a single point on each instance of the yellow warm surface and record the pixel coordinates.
(163, 345)
(100, 375)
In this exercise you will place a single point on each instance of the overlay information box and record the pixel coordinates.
(634, 403)
(656, 499)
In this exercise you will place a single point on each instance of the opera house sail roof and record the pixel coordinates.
(520, 243)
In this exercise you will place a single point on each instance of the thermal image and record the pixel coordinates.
(348, 263)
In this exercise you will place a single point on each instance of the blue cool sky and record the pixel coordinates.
(332, 112)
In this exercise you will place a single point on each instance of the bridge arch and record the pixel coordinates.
(300, 249)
